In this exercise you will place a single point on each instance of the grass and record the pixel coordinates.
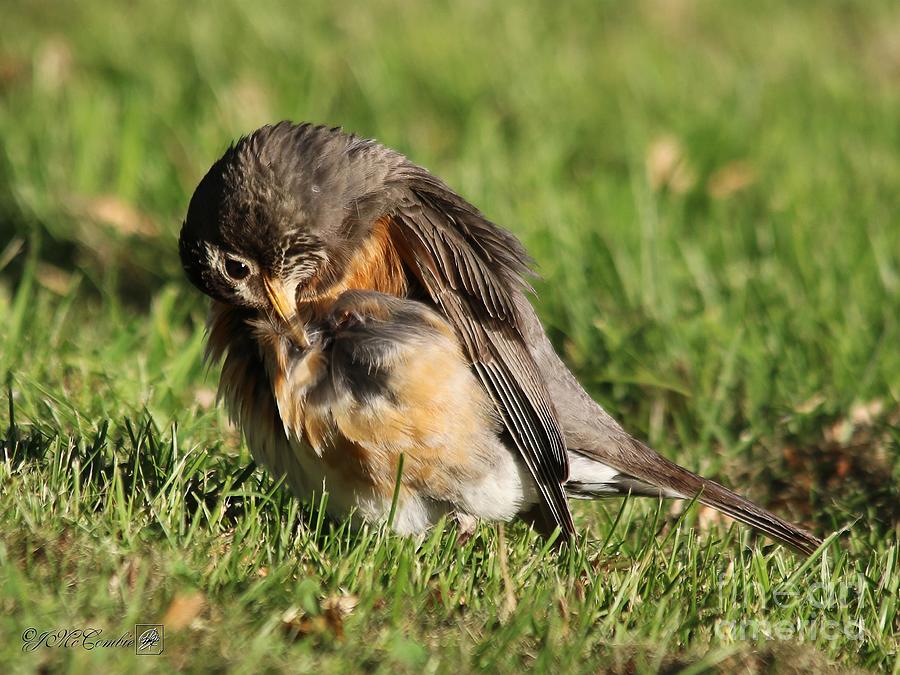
(710, 192)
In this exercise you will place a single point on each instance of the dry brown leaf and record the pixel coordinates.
(335, 622)
(53, 64)
(335, 609)
(205, 397)
(882, 52)
(865, 414)
(116, 213)
(730, 179)
(248, 103)
(290, 614)
(184, 608)
(810, 404)
(343, 604)
(861, 416)
(839, 433)
(295, 624)
(667, 166)
(54, 278)
(675, 16)
(708, 518)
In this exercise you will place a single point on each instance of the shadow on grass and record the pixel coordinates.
(118, 259)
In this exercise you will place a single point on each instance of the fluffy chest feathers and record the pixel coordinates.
(342, 415)
(371, 397)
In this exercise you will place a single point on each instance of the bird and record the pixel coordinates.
(293, 216)
(380, 407)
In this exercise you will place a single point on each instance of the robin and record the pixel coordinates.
(292, 217)
(380, 397)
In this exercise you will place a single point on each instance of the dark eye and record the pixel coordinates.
(236, 269)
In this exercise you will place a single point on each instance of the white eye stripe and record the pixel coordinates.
(213, 255)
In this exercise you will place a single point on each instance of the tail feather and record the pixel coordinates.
(648, 473)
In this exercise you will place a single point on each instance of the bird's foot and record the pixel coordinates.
(466, 525)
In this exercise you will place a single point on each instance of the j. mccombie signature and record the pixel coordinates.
(148, 640)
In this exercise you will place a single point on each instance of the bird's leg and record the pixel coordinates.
(466, 524)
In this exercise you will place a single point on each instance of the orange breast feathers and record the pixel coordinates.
(385, 377)
(376, 266)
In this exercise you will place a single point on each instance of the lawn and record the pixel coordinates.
(711, 193)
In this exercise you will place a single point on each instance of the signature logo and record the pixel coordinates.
(145, 639)
(149, 638)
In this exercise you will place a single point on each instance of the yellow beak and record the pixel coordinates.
(285, 310)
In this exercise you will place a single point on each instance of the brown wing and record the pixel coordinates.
(472, 270)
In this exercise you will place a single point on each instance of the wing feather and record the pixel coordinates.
(471, 268)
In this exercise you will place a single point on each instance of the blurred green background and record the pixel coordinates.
(710, 191)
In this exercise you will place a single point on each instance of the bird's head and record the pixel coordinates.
(277, 217)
